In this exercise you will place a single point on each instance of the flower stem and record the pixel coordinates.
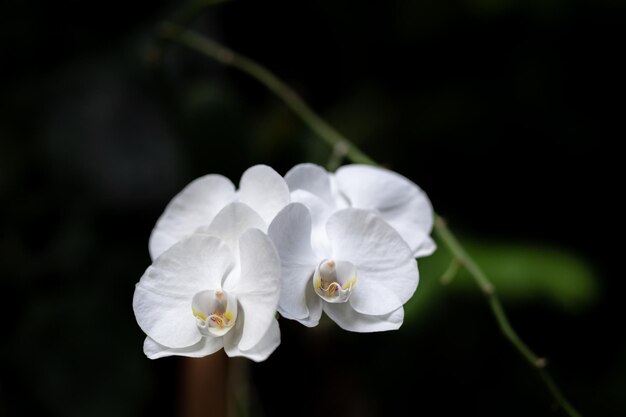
(493, 300)
(336, 157)
(336, 140)
(228, 57)
(450, 272)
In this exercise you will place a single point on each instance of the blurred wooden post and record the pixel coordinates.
(205, 386)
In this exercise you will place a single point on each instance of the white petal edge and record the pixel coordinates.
(230, 223)
(379, 253)
(348, 319)
(422, 245)
(312, 178)
(407, 219)
(397, 200)
(291, 233)
(205, 347)
(320, 212)
(162, 298)
(264, 190)
(427, 248)
(258, 286)
(315, 306)
(259, 352)
(194, 206)
(372, 299)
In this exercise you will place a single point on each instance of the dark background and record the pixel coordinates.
(505, 112)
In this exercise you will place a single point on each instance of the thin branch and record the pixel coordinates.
(451, 272)
(327, 133)
(339, 152)
(191, 9)
(228, 57)
(441, 229)
(487, 288)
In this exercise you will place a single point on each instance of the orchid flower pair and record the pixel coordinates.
(226, 260)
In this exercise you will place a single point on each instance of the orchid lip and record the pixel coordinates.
(215, 312)
(334, 280)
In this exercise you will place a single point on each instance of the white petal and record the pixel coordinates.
(398, 201)
(162, 299)
(312, 178)
(348, 319)
(230, 223)
(206, 346)
(314, 304)
(380, 255)
(264, 190)
(292, 300)
(258, 286)
(194, 206)
(258, 353)
(340, 199)
(406, 219)
(291, 233)
(165, 317)
(425, 248)
(320, 212)
(376, 300)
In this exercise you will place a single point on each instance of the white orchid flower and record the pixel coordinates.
(217, 288)
(260, 187)
(394, 198)
(355, 267)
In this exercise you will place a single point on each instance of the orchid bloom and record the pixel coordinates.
(217, 288)
(394, 198)
(351, 264)
(260, 187)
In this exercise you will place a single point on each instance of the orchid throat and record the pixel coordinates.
(334, 280)
(215, 312)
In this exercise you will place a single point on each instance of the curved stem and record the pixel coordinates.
(191, 9)
(450, 272)
(327, 133)
(489, 290)
(228, 57)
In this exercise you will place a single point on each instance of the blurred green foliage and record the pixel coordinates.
(521, 273)
(524, 273)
